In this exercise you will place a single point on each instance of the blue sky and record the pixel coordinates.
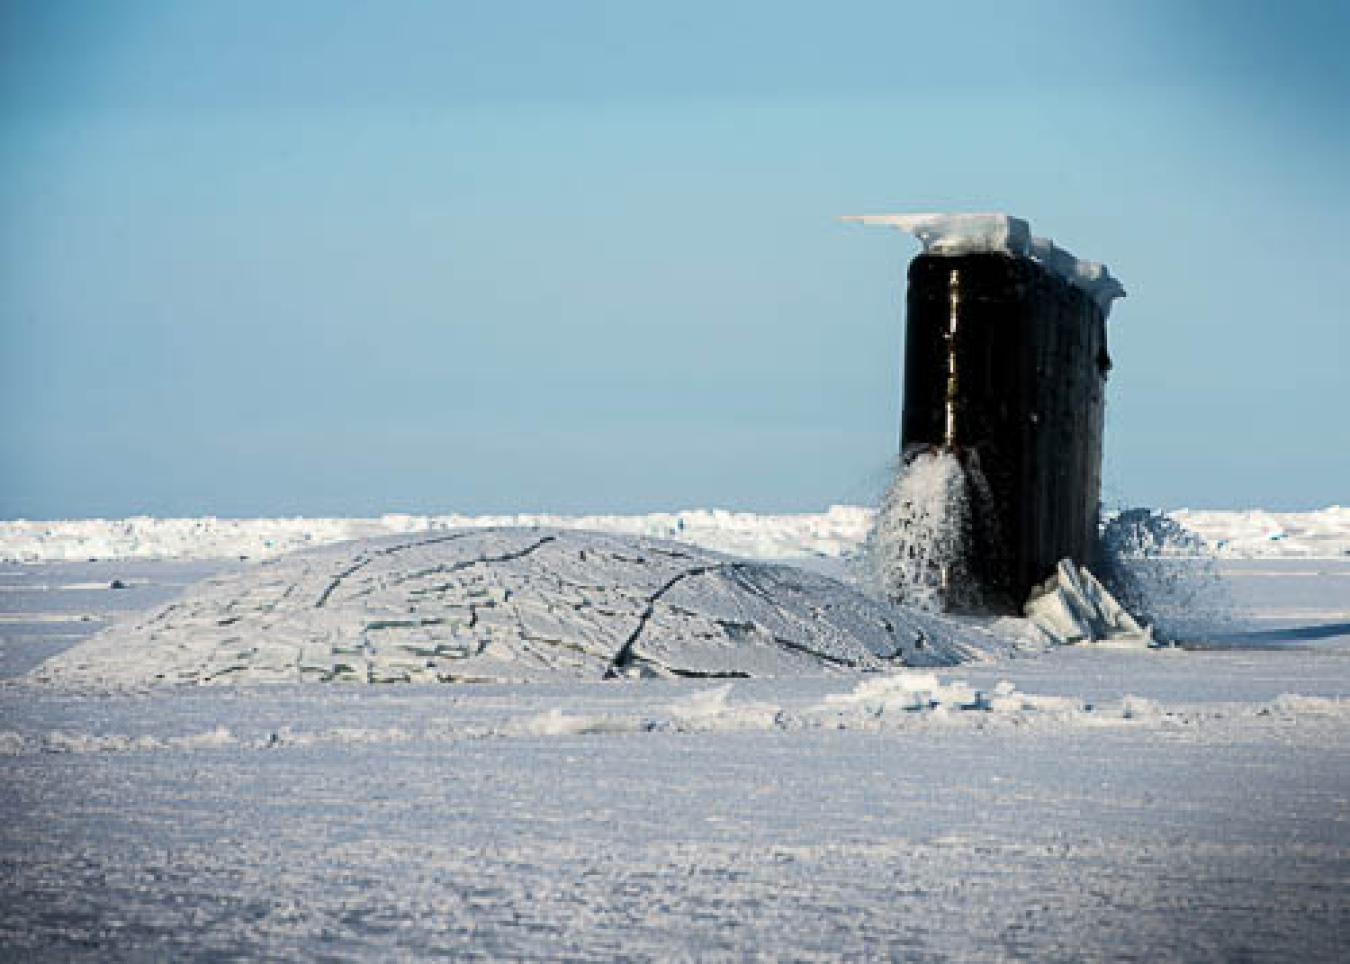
(344, 258)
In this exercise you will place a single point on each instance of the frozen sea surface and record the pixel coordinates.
(1085, 804)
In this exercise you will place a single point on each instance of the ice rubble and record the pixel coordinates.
(828, 534)
(511, 605)
(832, 534)
(1264, 534)
(890, 701)
(1073, 607)
(955, 234)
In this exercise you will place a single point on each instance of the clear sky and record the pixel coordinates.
(345, 258)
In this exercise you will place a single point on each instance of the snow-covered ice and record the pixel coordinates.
(829, 535)
(1256, 533)
(821, 535)
(1072, 803)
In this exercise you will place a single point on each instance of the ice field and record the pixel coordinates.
(1254, 533)
(1073, 803)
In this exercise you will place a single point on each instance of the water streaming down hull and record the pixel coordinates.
(918, 552)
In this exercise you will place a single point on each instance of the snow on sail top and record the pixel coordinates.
(953, 234)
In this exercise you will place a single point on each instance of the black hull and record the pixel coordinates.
(1005, 364)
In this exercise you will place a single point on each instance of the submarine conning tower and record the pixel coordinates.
(1005, 367)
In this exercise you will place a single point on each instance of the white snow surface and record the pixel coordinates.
(1077, 804)
(828, 534)
(955, 234)
(897, 700)
(836, 533)
(511, 605)
(1262, 534)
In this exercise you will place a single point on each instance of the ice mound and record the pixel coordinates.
(510, 605)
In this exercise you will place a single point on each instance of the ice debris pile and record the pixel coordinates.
(891, 701)
(511, 605)
(1072, 607)
(888, 702)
